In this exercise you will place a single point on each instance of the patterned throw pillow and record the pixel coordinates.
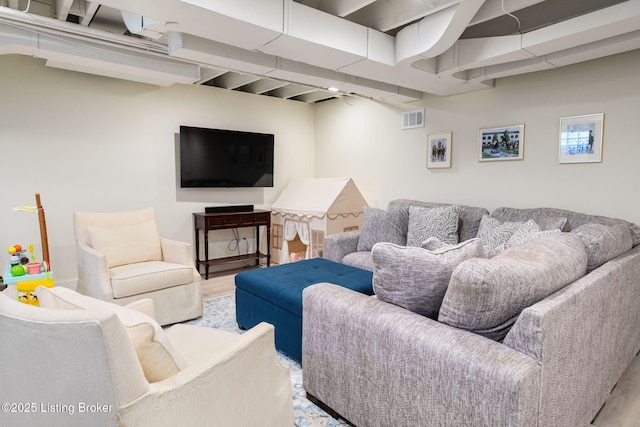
(416, 278)
(496, 234)
(551, 222)
(521, 236)
(440, 222)
(379, 225)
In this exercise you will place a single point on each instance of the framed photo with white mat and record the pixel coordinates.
(439, 150)
(581, 139)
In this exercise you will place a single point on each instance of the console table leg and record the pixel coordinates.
(206, 254)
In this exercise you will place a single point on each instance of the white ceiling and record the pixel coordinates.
(393, 50)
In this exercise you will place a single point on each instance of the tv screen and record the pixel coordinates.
(225, 158)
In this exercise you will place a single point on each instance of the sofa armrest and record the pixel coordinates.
(336, 246)
(93, 273)
(213, 389)
(591, 325)
(375, 363)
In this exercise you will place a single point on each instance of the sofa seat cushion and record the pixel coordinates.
(379, 225)
(604, 242)
(144, 277)
(417, 278)
(440, 222)
(363, 260)
(487, 295)
(158, 358)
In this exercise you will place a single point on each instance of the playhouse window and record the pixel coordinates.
(317, 243)
(276, 236)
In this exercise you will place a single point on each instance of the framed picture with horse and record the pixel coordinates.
(501, 143)
(439, 150)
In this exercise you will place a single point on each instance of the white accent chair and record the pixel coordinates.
(78, 361)
(122, 258)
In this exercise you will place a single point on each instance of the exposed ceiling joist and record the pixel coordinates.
(392, 50)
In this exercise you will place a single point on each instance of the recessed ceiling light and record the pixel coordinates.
(333, 89)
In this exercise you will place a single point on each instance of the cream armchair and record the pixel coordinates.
(122, 258)
(78, 361)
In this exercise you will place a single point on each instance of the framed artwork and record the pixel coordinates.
(501, 143)
(439, 150)
(581, 139)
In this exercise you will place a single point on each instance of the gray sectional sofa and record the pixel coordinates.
(529, 334)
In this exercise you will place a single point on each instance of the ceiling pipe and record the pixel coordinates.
(90, 57)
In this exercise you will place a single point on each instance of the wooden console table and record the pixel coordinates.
(225, 220)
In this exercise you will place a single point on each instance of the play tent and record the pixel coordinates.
(309, 209)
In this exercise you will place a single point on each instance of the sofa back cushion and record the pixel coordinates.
(486, 295)
(604, 242)
(468, 218)
(573, 219)
(417, 278)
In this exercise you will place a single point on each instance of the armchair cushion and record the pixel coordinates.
(143, 277)
(127, 244)
(158, 358)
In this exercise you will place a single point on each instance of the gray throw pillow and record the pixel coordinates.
(604, 242)
(440, 222)
(486, 296)
(379, 225)
(496, 234)
(416, 278)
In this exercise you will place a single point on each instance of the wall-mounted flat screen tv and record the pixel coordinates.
(225, 158)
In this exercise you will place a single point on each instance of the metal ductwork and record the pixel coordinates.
(392, 50)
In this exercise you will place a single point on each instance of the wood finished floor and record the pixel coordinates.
(622, 409)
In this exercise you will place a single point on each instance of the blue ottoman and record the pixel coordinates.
(274, 295)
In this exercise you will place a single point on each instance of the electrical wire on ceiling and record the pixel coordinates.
(28, 6)
(513, 16)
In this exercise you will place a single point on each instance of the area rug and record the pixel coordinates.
(220, 313)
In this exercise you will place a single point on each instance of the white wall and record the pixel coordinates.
(362, 139)
(98, 144)
(91, 143)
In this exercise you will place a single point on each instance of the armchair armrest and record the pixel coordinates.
(144, 306)
(221, 365)
(359, 351)
(93, 273)
(337, 246)
(179, 253)
(176, 252)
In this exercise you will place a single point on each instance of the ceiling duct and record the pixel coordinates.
(142, 25)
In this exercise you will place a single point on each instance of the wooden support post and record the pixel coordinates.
(43, 232)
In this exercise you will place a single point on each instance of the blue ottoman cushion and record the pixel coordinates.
(274, 295)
